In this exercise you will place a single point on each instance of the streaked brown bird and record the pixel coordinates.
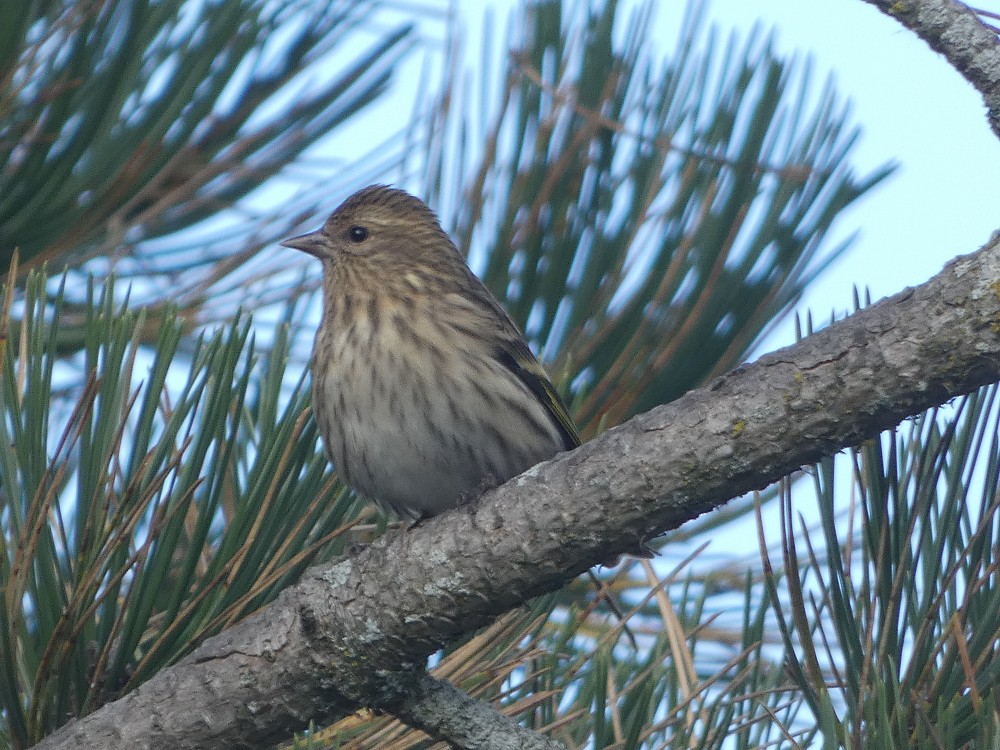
(424, 389)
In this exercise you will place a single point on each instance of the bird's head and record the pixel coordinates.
(386, 225)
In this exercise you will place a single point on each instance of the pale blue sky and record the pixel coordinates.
(913, 109)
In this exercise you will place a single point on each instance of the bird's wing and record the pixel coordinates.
(512, 351)
(515, 355)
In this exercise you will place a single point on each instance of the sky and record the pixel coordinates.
(913, 108)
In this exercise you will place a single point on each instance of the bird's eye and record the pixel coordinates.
(357, 234)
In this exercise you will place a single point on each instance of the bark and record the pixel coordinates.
(445, 712)
(357, 632)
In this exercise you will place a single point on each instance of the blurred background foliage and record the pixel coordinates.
(126, 123)
(646, 211)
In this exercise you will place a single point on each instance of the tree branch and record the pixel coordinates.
(446, 713)
(954, 30)
(353, 633)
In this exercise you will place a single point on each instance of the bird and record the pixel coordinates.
(424, 389)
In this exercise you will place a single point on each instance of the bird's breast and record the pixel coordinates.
(415, 413)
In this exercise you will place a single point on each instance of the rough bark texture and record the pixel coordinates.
(358, 631)
(955, 31)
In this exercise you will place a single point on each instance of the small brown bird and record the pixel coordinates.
(424, 389)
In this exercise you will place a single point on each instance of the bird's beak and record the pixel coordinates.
(312, 243)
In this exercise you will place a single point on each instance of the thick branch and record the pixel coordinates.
(955, 31)
(352, 633)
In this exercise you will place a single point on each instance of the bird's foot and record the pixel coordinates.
(487, 483)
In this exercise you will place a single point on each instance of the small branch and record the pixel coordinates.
(353, 633)
(446, 713)
(954, 30)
